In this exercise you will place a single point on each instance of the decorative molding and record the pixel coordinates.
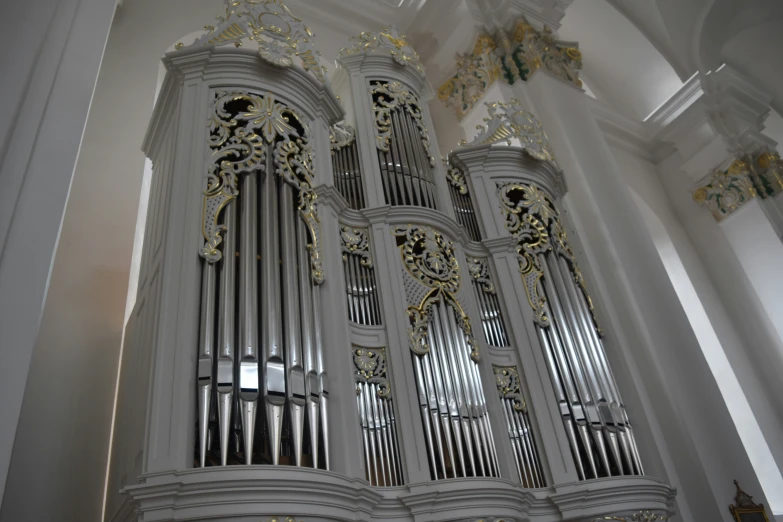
(390, 96)
(508, 121)
(279, 34)
(390, 41)
(746, 178)
(243, 126)
(513, 56)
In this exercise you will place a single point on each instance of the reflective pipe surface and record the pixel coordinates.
(425, 417)
(361, 290)
(226, 333)
(323, 394)
(205, 355)
(347, 175)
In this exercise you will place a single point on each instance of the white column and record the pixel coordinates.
(50, 53)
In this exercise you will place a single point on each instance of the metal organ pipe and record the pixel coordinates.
(205, 355)
(226, 335)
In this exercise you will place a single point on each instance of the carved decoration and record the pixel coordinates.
(641, 516)
(370, 366)
(746, 178)
(341, 135)
(391, 41)
(507, 381)
(511, 56)
(455, 177)
(279, 34)
(353, 241)
(390, 96)
(476, 73)
(532, 220)
(479, 270)
(429, 259)
(242, 127)
(507, 121)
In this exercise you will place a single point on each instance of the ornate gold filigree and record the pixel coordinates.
(507, 381)
(456, 178)
(280, 35)
(390, 40)
(533, 50)
(479, 270)
(353, 241)
(242, 126)
(476, 73)
(727, 190)
(429, 258)
(507, 121)
(370, 366)
(391, 96)
(641, 516)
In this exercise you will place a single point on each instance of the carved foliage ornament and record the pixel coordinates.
(353, 241)
(391, 41)
(727, 190)
(514, 56)
(507, 381)
(243, 127)
(479, 270)
(280, 35)
(370, 366)
(533, 221)
(391, 96)
(507, 121)
(455, 177)
(641, 516)
(341, 135)
(429, 258)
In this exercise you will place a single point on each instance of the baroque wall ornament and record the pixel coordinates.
(429, 259)
(479, 270)
(514, 56)
(391, 96)
(507, 381)
(507, 121)
(746, 178)
(244, 128)
(532, 220)
(476, 73)
(390, 41)
(353, 241)
(455, 177)
(341, 135)
(279, 34)
(370, 366)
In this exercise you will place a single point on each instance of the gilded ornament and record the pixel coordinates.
(354, 241)
(641, 516)
(507, 121)
(391, 96)
(370, 366)
(479, 271)
(391, 41)
(456, 178)
(243, 126)
(341, 135)
(429, 258)
(507, 381)
(279, 34)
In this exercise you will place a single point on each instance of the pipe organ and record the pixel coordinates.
(311, 333)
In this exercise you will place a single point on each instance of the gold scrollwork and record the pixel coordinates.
(429, 258)
(354, 241)
(479, 270)
(341, 135)
(507, 381)
(390, 96)
(280, 35)
(370, 366)
(242, 126)
(456, 178)
(640, 516)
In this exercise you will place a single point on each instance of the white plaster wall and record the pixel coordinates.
(50, 53)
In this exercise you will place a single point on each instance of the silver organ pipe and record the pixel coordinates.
(454, 413)
(376, 417)
(489, 305)
(268, 227)
(597, 426)
(515, 413)
(461, 201)
(345, 165)
(361, 288)
(403, 146)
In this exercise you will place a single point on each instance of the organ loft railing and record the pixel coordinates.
(261, 381)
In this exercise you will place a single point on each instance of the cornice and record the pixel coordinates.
(382, 66)
(403, 215)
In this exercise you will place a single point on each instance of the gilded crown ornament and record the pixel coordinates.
(280, 35)
(390, 41)
(510, 121)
